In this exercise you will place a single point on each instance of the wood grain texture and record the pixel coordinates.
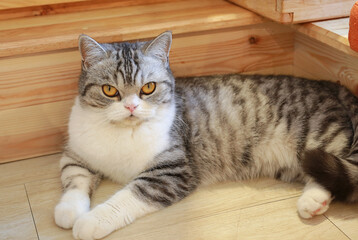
(207, 214)
(10, 4)
(315, 60)
(15, 214)
(71, 7)
(134, 22)
(30, 170)
(266, 8)
(297, 11)
(345, 216)
(34, 130)
(331, 32)
(279, 220)
(313, 10)
(34, 110)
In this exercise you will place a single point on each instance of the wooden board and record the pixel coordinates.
(71, 7)
(11, 4)
(17, 173)
(15, 214)
(296, 11)
(314, 59)
(331, 32)
(45, 33)
(34, 109)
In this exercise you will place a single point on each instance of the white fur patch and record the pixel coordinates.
(120, 153)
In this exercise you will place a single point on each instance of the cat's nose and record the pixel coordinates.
(131, 107)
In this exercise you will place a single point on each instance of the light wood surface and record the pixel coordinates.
(257, 209)
(30, 170)
(15, 214)
(331, 32)
(266, 8)
(345, 217)
(315, 60)
(34, 110)
(10, 4)
(71, 7)
(127, 23)
(296, 11)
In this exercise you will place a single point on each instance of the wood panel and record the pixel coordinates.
(17, 173)
(331, 32)
(266, 8)
(10, 4)
(34, 109)
(296, 11)
(317, 60)
(279, 220)
(313, 10)
(132, 23)
(15, 214)
(344, 216)
(71, 7)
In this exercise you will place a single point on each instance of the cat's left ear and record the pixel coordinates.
(159, 47)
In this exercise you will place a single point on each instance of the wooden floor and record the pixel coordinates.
(262, 209)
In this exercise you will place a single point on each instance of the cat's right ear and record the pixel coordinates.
(91, 51)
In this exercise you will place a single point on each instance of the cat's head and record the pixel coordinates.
(128, 83)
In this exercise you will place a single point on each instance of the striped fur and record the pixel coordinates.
(198, 130)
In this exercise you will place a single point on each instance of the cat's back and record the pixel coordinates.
(251, 92)
(237, 119)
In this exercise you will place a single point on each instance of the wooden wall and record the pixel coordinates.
(332, 61)
(298, 11)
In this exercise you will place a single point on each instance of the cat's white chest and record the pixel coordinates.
(119, 153)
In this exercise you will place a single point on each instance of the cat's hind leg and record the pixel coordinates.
(314, 201)
(78, 183)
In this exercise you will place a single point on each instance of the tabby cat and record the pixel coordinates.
(134, 123)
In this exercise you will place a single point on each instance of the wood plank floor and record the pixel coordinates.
(259, 209)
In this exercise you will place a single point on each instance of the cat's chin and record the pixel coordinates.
(131, 121)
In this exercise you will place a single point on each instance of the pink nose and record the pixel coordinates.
(131, 107)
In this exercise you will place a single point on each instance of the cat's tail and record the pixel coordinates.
(337, 175)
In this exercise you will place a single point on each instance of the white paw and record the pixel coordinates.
(66, 215)
(72, 205)
(93, 225)
(313, 202)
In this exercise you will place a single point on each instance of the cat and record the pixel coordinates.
(133, 123)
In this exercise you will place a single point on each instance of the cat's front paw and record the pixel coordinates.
(72, 205)
(66, 215)
(93, 225)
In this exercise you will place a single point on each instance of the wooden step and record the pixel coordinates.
(46, 33)
(20, 9)
(297, 11)
(40, 63)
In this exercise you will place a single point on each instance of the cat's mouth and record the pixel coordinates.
(130, 121)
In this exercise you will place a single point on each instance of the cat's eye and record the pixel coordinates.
(148, 88)
(109, 91)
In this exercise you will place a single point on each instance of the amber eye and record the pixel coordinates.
(148, 88)
(109, 91)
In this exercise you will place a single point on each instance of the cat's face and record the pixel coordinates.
(127, 83)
